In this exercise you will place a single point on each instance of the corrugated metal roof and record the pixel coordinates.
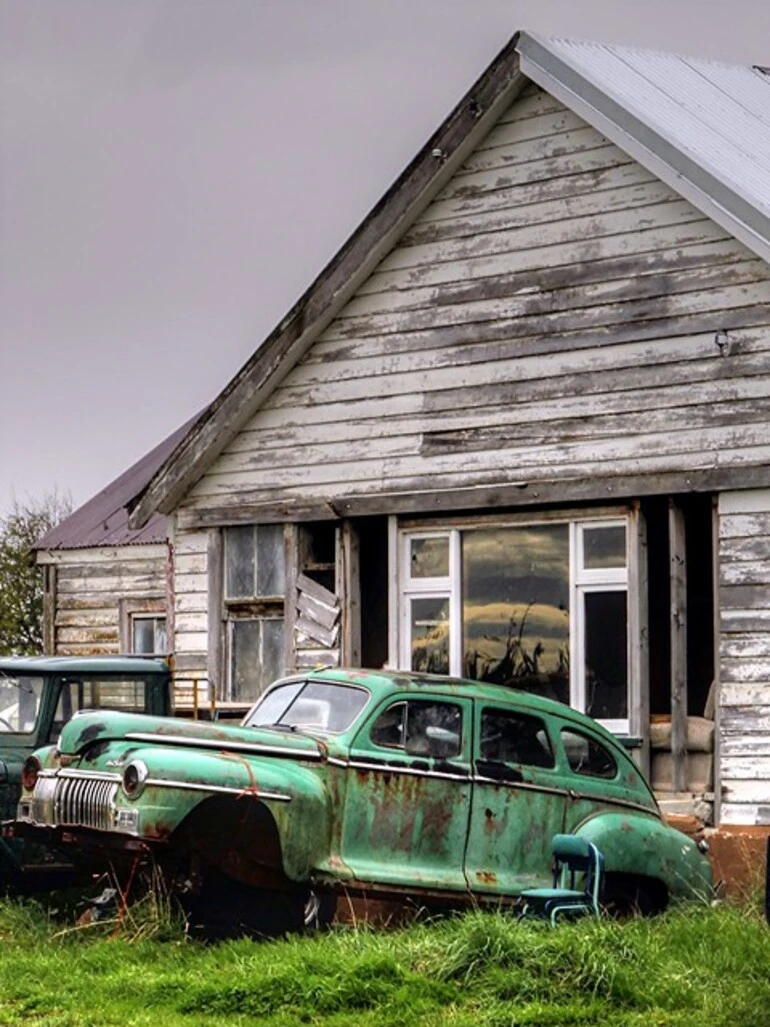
(103, 520)
(702, 125)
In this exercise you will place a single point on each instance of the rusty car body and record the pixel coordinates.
(38, 694)
(362, 783)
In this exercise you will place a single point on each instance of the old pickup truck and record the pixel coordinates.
(37, 696)
(361, 783)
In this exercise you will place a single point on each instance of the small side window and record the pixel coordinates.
(510, 737)
(588, 757)
(420, 728)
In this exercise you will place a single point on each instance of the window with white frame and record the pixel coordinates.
(538, 606)
(254, 586)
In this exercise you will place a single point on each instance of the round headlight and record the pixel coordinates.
(30, 770)
(134, 778)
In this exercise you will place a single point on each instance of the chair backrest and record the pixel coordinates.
(572, 856)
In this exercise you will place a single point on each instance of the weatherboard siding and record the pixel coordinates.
(744, 656)
(89, 586)
(549, 317)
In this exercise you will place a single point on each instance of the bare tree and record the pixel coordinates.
(21, 580)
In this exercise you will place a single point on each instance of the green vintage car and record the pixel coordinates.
(358, 783)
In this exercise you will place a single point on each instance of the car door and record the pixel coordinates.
(518, 801)
(407, 800)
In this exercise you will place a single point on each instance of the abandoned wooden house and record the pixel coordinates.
(518, 429)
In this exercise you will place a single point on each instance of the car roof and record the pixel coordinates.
(83, 665)
(384, 682)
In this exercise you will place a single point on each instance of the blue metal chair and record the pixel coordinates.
(578, 872)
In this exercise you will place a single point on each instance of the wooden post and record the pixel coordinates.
(678, 628)
(639, 660)
(291, 560)
(215, 658)
(349, 594)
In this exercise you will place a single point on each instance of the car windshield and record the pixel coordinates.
(20, 696)
(315, 706)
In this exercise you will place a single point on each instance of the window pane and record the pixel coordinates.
(272, 651)
(606, 655)
(516, 607)
(604, 547)
(272, 707)
(587, 756)
(388, 728)
(148, 635)
(245, 669)
(514, 738)
(239, 563)
(19, 703)
(429, 557)
(430, 635)
(433, 729)
(270, 560)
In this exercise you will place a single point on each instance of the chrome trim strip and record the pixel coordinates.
(88, 775)
(389, 768)
(610, 800)
(192, 786)
(223, 745)
(526, 785)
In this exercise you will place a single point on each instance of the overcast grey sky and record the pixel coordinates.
(174, 173)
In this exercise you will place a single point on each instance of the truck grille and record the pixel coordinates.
(83, 800)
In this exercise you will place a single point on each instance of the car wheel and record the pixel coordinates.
(318, 911)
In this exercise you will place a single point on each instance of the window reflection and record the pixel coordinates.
(516, 607)
(429, 557)
(430, 635)
(604, 547)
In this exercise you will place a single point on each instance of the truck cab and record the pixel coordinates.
(38, 695)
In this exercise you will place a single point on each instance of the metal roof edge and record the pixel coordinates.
(658, 154)
(468, 121)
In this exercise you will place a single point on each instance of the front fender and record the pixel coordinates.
(180, 782)
(642, 845)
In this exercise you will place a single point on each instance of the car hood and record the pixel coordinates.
(87, 730)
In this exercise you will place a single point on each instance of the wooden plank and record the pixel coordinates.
(507, 214)
(322, 614)
(745, 669)
(497, 158)
(307, 659)
(307, 630)
(744, 525)
(678, 643)
(737, 621)
(417, 499)
(746, 693)
(744, 813)
(316, 591)
(562, 187)
(749, 644)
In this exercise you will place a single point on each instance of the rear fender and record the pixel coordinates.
(644, 847)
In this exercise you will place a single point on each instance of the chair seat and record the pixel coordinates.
(552, 893)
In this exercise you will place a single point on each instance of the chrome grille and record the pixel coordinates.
(82, 800)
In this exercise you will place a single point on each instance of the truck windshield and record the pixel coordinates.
(19, 703)
(314, 706)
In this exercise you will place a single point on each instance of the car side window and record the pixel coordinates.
(511, 737)
(420, 728)
(587, 756)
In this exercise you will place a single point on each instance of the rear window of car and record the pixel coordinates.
(586, 756)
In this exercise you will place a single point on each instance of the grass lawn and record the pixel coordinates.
(697, 966)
